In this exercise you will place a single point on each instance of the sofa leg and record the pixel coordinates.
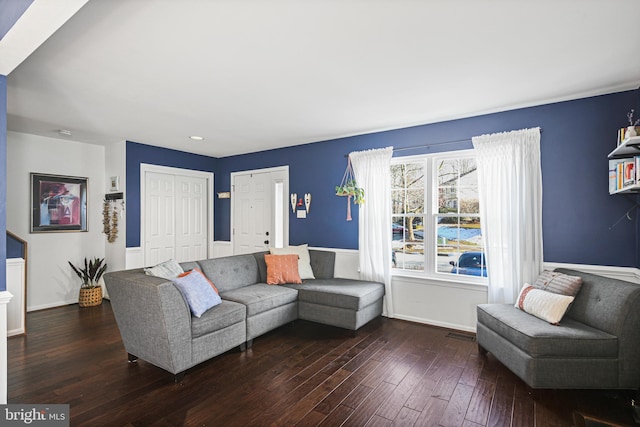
(132, 358)
(635, 407)
(483, 351)
(249, 344)
(243, 347)
(177, 378)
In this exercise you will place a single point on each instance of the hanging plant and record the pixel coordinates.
(349, 187)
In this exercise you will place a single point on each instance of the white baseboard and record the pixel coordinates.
(426, 321)
(51, 305)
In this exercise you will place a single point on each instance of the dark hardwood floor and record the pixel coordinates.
(392, 373)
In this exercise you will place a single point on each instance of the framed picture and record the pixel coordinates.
(115, 183)
(58, 203)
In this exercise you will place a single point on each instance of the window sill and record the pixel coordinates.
(467, 282)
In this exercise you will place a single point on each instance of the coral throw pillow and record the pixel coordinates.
(197, 271)
(542, 304)
(304, 260)
(282, 269)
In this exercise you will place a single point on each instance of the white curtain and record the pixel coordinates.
(510, 191)
(372, 170)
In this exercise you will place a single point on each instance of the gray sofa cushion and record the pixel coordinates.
(231, 272)
(261, 297)
(603, 303)
(322, 263)
(225, 314)
(540, 339)
(343, 293)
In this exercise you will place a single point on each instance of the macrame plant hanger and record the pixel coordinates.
(348, 187)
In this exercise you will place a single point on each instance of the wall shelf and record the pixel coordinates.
(628, 148)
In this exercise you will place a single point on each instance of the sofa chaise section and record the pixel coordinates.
(345, 303)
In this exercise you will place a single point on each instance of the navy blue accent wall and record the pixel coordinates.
(12, 10)
(3, 183)
(578, 213)
(14, 248)
(140, 153)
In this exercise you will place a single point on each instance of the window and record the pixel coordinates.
(436, 224)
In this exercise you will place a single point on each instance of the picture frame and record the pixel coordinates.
(58, 203)
(115, 183)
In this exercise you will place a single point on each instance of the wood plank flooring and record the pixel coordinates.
(391, 373)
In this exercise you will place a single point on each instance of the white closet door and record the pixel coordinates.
(159, 221)
(191, 218)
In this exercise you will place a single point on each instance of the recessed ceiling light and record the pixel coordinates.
(64, 132)
(196, 138)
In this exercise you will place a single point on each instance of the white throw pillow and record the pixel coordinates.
(304, 261)
(167, 270)
(542, 304)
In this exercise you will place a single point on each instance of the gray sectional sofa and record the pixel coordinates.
(157, 326)
(596, 345)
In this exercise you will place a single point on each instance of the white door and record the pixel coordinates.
(175, 217)
(253, 212)
(159, 218)
(191, 218)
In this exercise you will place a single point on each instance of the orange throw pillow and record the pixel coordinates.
(282, 269)
(197, 271)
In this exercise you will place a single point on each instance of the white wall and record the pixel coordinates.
(51, 281)
(115, 165)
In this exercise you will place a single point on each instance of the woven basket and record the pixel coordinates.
(90, 296)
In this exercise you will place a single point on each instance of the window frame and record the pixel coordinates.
(430, 215)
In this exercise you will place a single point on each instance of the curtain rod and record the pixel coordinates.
(415, 147)
(436, 143)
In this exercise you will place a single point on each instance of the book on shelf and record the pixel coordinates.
(623, 173)
(613, 184)
(620, 176)
(629, 177)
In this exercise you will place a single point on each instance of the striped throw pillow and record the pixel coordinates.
(558, 283)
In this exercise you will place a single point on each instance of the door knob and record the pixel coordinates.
(267, 233)
(266, 242)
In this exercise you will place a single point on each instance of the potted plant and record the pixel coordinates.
(90, 289)
(350, 188)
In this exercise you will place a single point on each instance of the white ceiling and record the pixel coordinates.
(251, 75)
